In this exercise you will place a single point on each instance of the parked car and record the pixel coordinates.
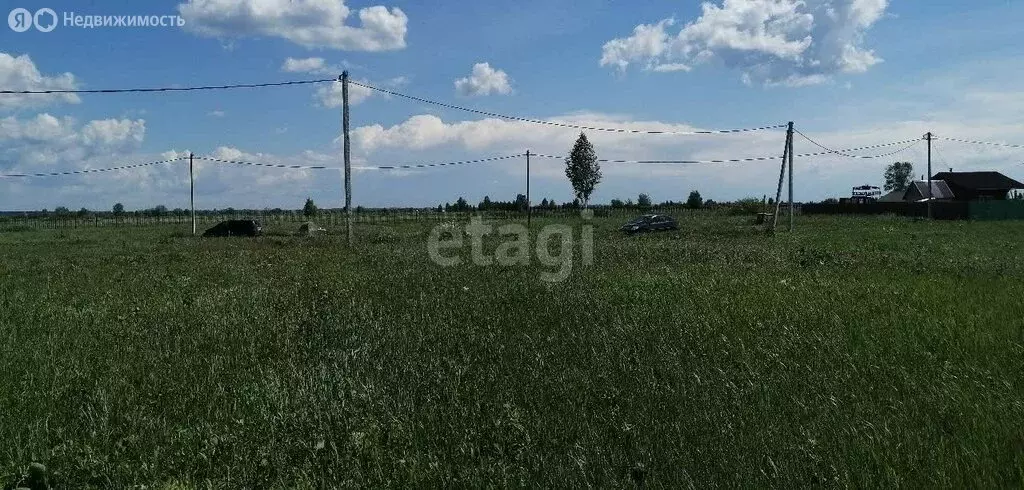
(650, 222)
(235, 227)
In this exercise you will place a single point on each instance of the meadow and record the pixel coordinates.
(853, 352)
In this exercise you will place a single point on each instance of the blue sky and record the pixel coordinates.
(849, 73)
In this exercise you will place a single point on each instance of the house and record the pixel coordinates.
(918, 191)
(978, 186)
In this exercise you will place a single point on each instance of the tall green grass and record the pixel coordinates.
(854, 352)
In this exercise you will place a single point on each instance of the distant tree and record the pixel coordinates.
(62, 211)
(485, 204)
(440, 208)
(643, 200)
(309, 209)
(544, 203)
(694, 201)
(520, 203)
(582, 169)
(447, 207)
(159, 210)
(898, 176)
(629, 203)
(118, 208)
(617, 203)
(710, 203)
(831, 200)
(83, 212)
(462, 205)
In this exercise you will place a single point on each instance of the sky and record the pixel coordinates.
(848, 73)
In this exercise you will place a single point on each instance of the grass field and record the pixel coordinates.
(853, 352)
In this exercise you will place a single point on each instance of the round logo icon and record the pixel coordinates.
(42, 26)
(20, 20)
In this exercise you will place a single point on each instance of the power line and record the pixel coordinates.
(977, 142)
(883, 155)
(425, 165)
(558, 124)
(909, 143)
(274, 165)
(666, 162)
(939, 155)
(378, 167)
(89, 171)
(165, 89)
(748, 159)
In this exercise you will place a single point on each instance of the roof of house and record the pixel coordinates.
(978, 180)
(894, 196)
(940, 190)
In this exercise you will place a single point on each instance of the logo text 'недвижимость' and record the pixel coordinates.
(46, 20)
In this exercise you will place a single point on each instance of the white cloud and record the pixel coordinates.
(312, 65)
(648, 42)
(303, 65)
(20, 73)
(668, 67)
(216, 113)
(48, 140)
(484, 81)
(109, 132)
(776, 42)
(309, 23)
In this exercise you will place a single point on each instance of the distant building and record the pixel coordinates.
(978, 186)
(865, 193)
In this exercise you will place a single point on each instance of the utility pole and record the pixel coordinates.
(347, 155)
(928, 136)
(192, 191)
(782, 173)
(790, 132)
(529, 207)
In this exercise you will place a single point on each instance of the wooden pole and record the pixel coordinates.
(790, 132)
(782, 174)
(529, 207)
(348, 156)
(928, 136)
(192, 191)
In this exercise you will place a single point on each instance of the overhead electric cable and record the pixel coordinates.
(559, 124)
(165, 89)
(91, 170)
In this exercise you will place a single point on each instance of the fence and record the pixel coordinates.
(946, 210)
(326, 218)
(996, 210)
